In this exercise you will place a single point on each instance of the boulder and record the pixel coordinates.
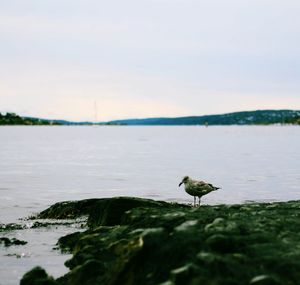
(37, 276)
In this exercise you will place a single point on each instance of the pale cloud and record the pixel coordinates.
(27, 27)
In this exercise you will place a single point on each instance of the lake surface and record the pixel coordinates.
(43, 165)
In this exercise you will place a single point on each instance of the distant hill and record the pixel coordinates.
(14, 119)
(62, 122)
(260, 117)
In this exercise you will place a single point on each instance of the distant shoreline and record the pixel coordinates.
(256, 118)
(161, 125)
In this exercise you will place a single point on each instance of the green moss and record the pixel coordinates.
(136, 241)
(37, 276)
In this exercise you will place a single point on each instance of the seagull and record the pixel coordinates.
(197, 188)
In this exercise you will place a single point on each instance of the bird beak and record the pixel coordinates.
(179, 184)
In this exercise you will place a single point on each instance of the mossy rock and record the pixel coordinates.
(68, 209)
(110, 212)
(105, 211)
(9, 242)
(10, 227)
(37, 276)
(140, 241)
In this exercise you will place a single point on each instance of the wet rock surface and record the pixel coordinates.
(10, 227)
(37, 276)
(13, 241)
(139, 241)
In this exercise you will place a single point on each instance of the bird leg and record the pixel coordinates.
(199, 200)
(194, 201)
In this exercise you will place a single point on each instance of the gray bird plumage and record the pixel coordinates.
(197, 188)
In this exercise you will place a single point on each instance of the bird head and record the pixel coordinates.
(184, 180)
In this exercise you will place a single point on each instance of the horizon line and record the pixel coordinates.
(158, 117)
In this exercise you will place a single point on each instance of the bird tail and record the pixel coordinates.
(216, 188)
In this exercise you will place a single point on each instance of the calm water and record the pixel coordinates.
(43, 165)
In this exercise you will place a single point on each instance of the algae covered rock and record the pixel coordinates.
(37, 276)
(13, 241)
(105, 211)
(110, 212)
(68, 209)
(139, 241)
(10, 227)
(90, 272)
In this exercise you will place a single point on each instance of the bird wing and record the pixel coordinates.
(205, 187)
(202, 183)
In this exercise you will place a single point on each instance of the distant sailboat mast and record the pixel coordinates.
(96, 112)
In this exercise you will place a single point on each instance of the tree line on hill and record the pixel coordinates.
(14, 119)
(294, 121)
(260, 117)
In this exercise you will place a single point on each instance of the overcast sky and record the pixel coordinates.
(148, 58)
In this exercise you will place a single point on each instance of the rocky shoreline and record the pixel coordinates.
(139, 241)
